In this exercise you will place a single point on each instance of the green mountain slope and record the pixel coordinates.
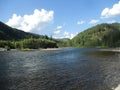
(9, 33)
(103, 35)
(64, 42)
(17, 39)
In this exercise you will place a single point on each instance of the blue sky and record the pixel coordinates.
(59, 18)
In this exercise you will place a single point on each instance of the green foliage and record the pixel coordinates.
(4, 44)
(65, 42)
(103, 35)
(30, 43)
(14, 38)
(37, 43)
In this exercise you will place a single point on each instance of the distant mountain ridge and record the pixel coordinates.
(9, 33)
(11, 38)
(102, 35)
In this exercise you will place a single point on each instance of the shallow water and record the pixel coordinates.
(65, 69)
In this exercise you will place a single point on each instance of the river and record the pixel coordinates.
(63, 69)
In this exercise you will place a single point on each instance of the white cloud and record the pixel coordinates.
(72, 35)
(68, 35)
(32, 23)
(113, 21)
(111, 12)
(80, 22)
(58, 29)
(94, 21)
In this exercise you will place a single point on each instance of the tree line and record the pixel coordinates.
(102, 35)
(30, 43)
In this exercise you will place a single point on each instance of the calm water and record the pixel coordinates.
(66, 69)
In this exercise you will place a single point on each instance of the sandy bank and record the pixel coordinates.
(51, 49)
(2, 49)
(111, 49)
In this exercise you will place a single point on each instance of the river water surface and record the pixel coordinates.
(65, 69)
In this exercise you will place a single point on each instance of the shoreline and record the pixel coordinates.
(3, 49)
(111, 49)
(52, 49)
(49, 49)
(43, 49)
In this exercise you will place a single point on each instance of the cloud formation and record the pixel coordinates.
(58, 29)
(65, 34)
(32, 23)
(68, 35)
(111, 12)
(93, 21)
(80, 22)
(113, 21)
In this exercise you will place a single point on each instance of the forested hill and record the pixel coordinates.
(17, 39)
(102, 35)
(9, 33)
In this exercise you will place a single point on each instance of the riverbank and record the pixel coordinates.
(111, 49)
(26, 49)
(51, 49)
(2, 49)
(48, 49)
